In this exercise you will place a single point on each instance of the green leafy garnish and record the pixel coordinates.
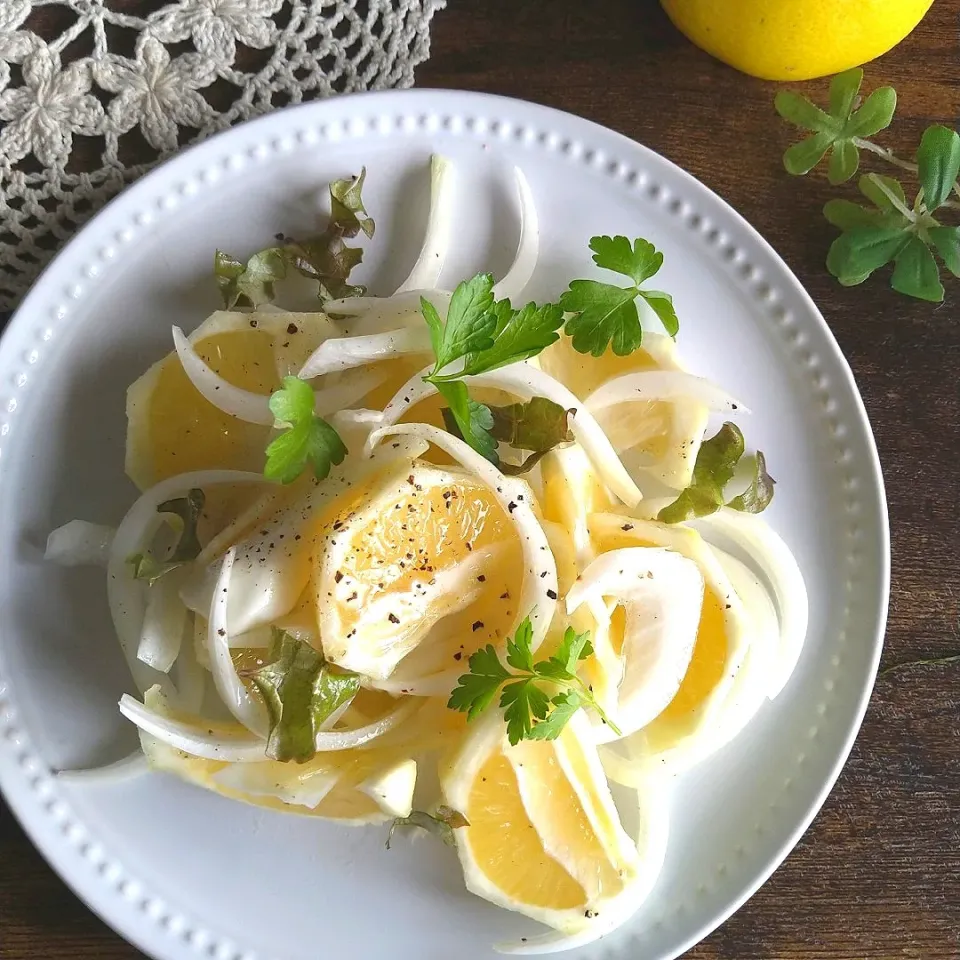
(892, 229)
(716, 464)
(838, 131)
(538, 426)
(485, 334)
(249, 284)
(472, 421)
(537, 698)
(307, 439)
(146, 567)
(605, 314)
(441, 824)
(325, 258)
(301, 690)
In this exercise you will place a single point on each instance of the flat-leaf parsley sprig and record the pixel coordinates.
(604, 313)
(485, 335)
(307, 438)
(907, 233)
(537, 698)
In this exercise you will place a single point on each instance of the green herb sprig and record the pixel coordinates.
(604, 314)
(891, 229)
(537, 699)
(307, 439)
(485, 335)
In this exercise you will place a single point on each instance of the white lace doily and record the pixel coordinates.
(95, 92)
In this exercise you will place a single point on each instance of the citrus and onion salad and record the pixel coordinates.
(435, 530)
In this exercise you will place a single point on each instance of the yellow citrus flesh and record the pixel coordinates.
(508, 849)
(795, 39)
(172, 429)
(382, 578)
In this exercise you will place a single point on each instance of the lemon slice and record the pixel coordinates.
(432, 545)
(687, 729)
(172, 429)
(544, 836)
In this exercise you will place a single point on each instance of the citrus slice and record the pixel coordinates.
(172, 429)
(663, 436)
(544, 836)
(431, 545)
(686, 730)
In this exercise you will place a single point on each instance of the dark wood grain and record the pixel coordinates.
(877, 877)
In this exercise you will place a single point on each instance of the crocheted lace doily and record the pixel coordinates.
(95, 92)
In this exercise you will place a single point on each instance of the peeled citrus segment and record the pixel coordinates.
(571, 492)
(664, 436)
(430, 545)
(686, 730)
(172, 429)
(544, 836)
(649, 647)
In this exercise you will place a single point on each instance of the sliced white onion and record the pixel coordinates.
(381, 314)
(304, 788)
(426, 271)
(255, 407)
(189, 675)
(538, 595)
(649, 386)
(231, 744)
(131, 765)
(525, 380)
(329, 740)
(79, 544)
(662, 596)
(164, 622)
(344, 353)
(772, 558)
(125, 594)
(518, 276)
(231, 688)
(233, 400)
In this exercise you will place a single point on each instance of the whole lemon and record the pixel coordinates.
(795, 39)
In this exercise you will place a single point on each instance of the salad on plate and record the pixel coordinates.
(447, 561)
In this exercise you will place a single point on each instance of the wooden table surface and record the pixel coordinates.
(877, 876)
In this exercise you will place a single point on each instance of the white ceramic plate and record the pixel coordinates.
(183, 873)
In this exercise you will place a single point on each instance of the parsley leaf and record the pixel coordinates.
(470, 322)
(533, 706)
(441, 824)
(300, 691)
(146, 567)
(325, 257)
(716, 464)
(471, 420)
(308, 439)
(477, 689)
(605, 314)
